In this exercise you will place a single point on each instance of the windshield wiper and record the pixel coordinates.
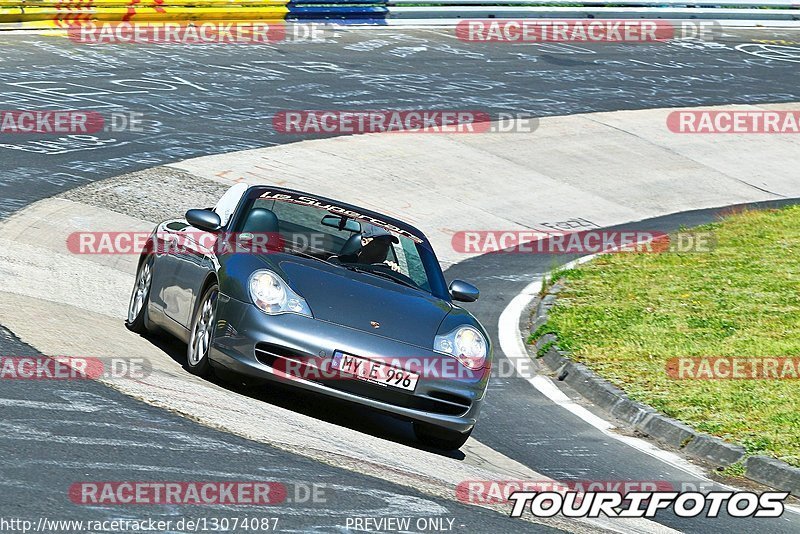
(382, 274)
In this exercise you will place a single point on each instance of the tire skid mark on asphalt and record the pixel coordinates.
(293, 437)
(31, 430)
(36, 472)
(390, 504)
(408, 504)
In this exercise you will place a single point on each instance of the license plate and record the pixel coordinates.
(375, 372)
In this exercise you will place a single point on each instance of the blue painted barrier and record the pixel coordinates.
(359, 10)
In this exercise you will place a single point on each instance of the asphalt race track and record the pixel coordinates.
(200, 100)
(50, 442)
(214, 99)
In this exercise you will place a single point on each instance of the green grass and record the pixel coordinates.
(625, 315)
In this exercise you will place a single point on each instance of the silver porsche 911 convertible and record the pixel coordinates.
(283, 285)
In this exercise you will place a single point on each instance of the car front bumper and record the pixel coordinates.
(253, 343)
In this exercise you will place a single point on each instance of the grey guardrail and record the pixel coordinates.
(47, 14)
(642, 9)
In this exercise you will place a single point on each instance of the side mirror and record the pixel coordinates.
(204, 219)
(342, 223)
(463, 291)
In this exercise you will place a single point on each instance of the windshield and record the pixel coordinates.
(309, 230)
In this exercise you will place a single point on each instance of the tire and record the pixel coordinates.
(202, 332)
(138, 320)
(440, 438)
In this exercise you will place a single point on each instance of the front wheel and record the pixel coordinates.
(440, 438)
(202, 332)
(137, 320)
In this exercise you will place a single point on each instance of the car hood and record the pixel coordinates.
(358, 300)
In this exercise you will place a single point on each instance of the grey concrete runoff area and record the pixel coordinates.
(601, 154)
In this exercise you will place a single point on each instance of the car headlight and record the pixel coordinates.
(272, 295)
(465, 344)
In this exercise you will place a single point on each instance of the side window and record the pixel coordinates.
(410, 263)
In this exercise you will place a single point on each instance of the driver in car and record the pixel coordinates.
(375, 245)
